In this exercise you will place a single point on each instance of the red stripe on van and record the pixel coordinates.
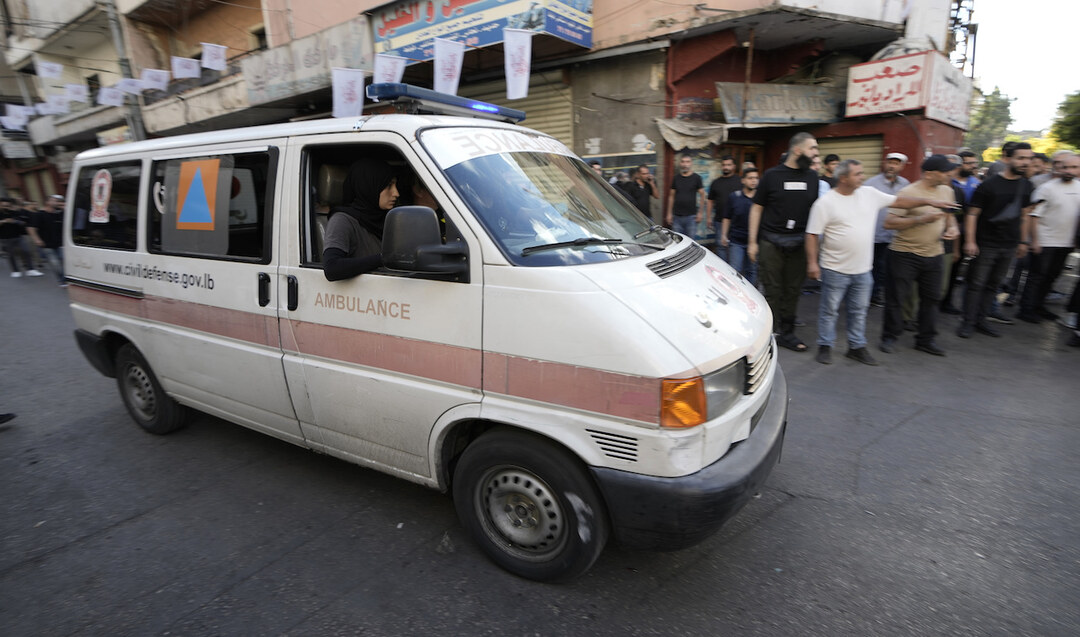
(604, 392)
(242, 326)
(633, 397)
(425, 359)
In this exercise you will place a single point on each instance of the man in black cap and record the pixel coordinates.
(916, 255)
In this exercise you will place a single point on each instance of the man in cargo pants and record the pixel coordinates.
(777, 226)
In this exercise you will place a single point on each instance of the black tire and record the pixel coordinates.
(147, 403)
(530, 506)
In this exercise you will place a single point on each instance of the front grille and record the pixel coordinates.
(669, 266)
(756, 369)
(615, 445)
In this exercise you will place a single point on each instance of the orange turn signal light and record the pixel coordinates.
(682, 403)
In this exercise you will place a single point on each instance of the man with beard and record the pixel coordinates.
(640, 189)
(1052, 236)
(888, 181)
(777, 233)
(996, 228)
(719, 191)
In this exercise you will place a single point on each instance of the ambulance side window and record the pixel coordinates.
(216, 206)
(105, 210)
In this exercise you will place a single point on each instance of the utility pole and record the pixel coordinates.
(134, 117)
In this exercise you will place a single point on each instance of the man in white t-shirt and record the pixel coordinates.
(840, 232)
(1053, 235)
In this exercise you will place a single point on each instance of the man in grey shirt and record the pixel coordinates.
(887, 181)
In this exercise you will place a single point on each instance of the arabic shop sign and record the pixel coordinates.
(305, 65)
(909, 82)
(779, 103)
(407, 28)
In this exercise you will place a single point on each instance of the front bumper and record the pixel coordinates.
(674, 513)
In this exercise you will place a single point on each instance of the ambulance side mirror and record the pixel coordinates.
(412, 242)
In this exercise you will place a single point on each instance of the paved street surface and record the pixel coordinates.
(927, 496)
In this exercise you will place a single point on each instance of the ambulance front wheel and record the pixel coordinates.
(530, 506)
(147, 403)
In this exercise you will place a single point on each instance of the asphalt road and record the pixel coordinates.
(927, 496)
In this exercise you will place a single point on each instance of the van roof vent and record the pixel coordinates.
(671, 266)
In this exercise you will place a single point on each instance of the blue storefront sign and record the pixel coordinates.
(407, 28)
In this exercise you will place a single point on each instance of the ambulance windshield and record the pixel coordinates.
(539, 202)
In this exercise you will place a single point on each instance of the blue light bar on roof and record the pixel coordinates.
(422, 100)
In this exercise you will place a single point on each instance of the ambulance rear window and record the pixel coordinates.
(105, 211)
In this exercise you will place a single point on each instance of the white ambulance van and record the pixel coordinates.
(570, 371)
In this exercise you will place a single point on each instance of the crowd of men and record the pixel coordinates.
(32, 235)
(884, 241)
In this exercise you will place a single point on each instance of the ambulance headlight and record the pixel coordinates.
(689, 402)
(723, 387)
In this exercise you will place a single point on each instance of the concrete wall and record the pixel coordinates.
(618, 22)
(294, 19)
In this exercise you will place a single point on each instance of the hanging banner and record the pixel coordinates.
(77, 93)
(779, 103)
(48, 69)
(13, 123)
(517, 54)
(155, 79)
(213, 56)
(408, 27)
(130, 85)
(388, 68)
(109, 96)
(448, 58)
(58, 104)
(348, 89)
(183, 68)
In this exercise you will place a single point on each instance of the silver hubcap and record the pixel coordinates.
(521, 513)
(140, 392)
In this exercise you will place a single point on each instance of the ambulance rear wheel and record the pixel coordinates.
(147, 403)
(530, 506)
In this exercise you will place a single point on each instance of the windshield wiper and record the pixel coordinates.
(653, 228)
(576, 243)
(582, 242)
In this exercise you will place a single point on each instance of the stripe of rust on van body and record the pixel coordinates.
(620, 395)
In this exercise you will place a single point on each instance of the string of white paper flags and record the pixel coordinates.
(348, 84)
(16, 117)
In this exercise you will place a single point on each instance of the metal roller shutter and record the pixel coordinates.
(548, 108)
(869, 150)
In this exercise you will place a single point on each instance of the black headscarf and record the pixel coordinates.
(366, 179)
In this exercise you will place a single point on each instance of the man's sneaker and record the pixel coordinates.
(1054, 297)
(1028, 317)
(998, 317)
(16, 275)
(888, 345)
(966, 330)
(861, 355)
(1047, 314)
(1069, 321)
(930, 348)
(878, 301)
(983, 328)
(824, 355)
(34, 273)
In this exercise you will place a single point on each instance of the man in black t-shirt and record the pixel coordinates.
(685, 200)
(13, 237)
(640, 189)
(719, 191)
(777, 230)
(46, 231)
(996, 230)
